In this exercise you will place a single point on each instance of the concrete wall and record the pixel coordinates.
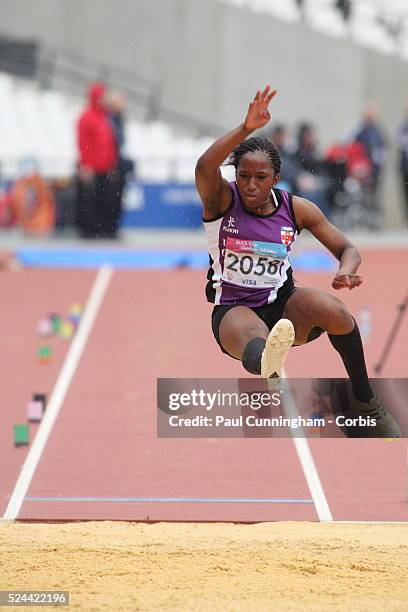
(210, 58)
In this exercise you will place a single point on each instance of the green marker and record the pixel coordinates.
(44, 352)
(56, 324)
(20, 435)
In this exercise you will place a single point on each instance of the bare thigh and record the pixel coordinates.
(308, 308)
(238, 326)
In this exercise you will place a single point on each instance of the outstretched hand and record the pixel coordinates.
(350, 281)
(258, 114)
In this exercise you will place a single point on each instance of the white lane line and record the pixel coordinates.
(306, 460)
(370, 522)
(66, 375)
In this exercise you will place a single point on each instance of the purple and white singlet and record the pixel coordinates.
(249, 253)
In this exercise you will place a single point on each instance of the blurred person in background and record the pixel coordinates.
(279, 135)
(6, 211)
(336, 160)
(310, 181)
(115, 104)
(32, 201)
(370, 135)
(97, 168)
(349, 171)
(401, 139)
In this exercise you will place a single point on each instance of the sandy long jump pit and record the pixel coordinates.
(193, 566)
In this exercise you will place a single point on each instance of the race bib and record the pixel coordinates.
(250, 263)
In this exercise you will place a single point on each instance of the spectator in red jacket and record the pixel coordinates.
(98, 159)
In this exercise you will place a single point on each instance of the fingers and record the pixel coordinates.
(265, 96)
(354, 280)
(268, 94)
(347, 281)
(355, 284)
(258, 114)
(271, 95)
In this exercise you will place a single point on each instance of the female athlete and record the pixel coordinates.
(251, 227)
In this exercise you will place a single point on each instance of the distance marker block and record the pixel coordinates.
(40, 397)
(20, 435)
(67, 330)
(75, 310)
(56, 322)
(44, 353)
(44, 328)
(35, 411)
(75, 319)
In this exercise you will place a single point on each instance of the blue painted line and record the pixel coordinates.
(118, 258)
(147, 259)
(173, 500)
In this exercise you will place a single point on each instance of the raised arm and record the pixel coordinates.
(215, 191)
(310, 217)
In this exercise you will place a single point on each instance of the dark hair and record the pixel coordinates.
(256, 143)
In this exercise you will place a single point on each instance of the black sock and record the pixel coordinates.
(350, 348)
(252, 353)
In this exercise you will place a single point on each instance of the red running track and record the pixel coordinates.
(103, 446)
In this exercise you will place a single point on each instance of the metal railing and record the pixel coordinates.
(75, 71)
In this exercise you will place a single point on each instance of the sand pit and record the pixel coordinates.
(267, 566)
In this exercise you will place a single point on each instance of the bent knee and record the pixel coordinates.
(313, 308)
(238, 327)
(337, 319)
(341, 312)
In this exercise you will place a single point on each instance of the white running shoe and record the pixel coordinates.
(278, 343)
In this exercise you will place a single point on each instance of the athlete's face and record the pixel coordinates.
(255, 178)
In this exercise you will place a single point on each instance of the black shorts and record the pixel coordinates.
(269, 313)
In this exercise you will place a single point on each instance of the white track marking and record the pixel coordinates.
(369, 522)
(306, 460)
(66, 375)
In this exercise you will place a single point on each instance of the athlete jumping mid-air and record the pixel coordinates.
(251, 227)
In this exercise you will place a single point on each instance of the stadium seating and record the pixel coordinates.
(367, 25)
(40, 127)
(40, 124)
